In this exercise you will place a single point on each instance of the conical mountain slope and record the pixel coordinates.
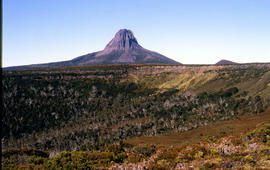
(122, 49)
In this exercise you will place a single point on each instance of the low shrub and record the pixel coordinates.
(157, 167)
(115, 148)
(36, 160)
(260, 134)
(25, 151)
(196, 151)
(209, 138)
(119, 158)
(264, 151)
(169, 155)
(145, 149)
(135, 158)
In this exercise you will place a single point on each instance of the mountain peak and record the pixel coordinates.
(225, 62)
(122, 49)
(123, 40)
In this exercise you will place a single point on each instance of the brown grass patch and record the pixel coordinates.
(235, 127)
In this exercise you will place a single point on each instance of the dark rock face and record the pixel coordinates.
(122, 49)
(225, 62)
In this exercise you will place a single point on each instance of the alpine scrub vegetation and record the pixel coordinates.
(251, 152)
(82, 113)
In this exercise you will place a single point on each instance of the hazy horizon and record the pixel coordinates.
(190, 32)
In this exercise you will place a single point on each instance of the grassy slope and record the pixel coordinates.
(254, 79)
(235, 127)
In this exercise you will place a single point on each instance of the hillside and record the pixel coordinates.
(237, 145)
(235, 127)
(91, 107)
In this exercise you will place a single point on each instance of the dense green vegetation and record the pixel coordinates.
(89, 108)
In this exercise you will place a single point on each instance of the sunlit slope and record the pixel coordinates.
(254, 79)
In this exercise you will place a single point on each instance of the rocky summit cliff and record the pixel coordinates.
(123, 40)
(122, 49)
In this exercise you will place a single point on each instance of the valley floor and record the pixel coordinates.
(241, 143)
(239, 125)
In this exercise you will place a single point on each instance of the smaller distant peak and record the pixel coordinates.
(225, 62)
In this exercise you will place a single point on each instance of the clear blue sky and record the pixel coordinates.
(188, 31)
